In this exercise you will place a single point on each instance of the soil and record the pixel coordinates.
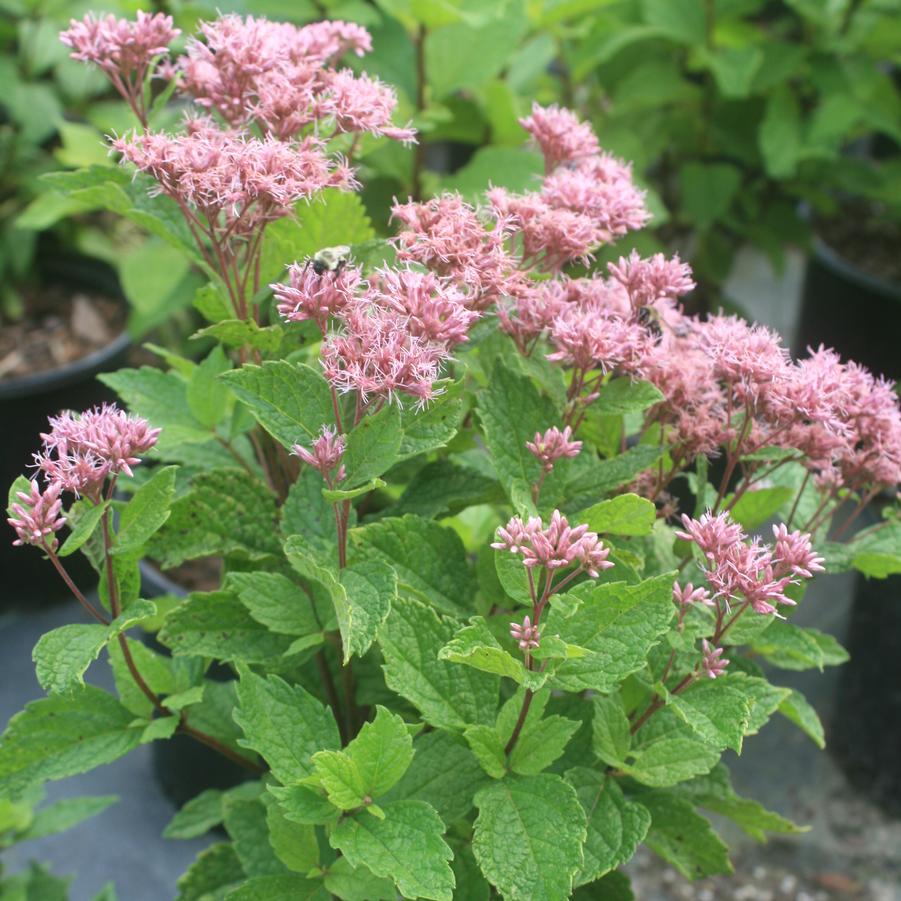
(864, 236)
(59, 328)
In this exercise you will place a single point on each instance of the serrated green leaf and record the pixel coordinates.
(540, 743)
(448, 696)
(429, 559)
(372, 447)
(370, 587)
(798, 709)
(779, 135)
(622, 395)
(291, 401)
(443, 488)
(790, 647)
(513, 576)
(617, 624)
(334, 495)
(304, 804)
(294, 844)
(65, 814)
(754, 508)
(159, 729)
(611, 737)
(717, 711)
(529, 835)
(432, 427)
(604, 476)
(283, 723)
(666, 752)
(357, 883)
(244, 333)
(616, 825)
(85, 522)
(275, 601)
(146, 512)
(488, 748)
(63, 735)
(246, 823)
(278, 888)
(475, 646)
(406, 846)
(197, 816)
(215, 869)
(625, 514)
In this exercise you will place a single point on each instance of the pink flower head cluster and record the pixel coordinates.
(560, 135)
(324, 455)
(281, 77)
(37, 515)
(549, 447)
(525, 634)
(713, 663)
(686, 596)
(122, 49)
(82, 450)
(555, 546)
(314, 296)
(236, 182)
(647, 281)
(758, 573)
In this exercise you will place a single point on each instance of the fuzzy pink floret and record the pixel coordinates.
(37, 515)
(324, 455)
(549, 447)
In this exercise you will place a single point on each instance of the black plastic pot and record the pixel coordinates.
(25, 404)
(182, 766)
(856, 313)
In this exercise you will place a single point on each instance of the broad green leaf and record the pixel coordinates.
(683, 838)
(429, 559)
(244, 333)
(622, 395)
(245, 822)
(334, 495)
(225, 512)
(799, 710)
(763, 697)
(616, 825)
(84, 525)
(304, 804)
(707, 190)
(215, 869)
(210, 401)
(614, 886)
(606, 475)
(680, 20)
(444, 773)
(65, 814)
(295, 845)
(779, 137)
(735, 68)
(406, 846)
(666, 752)
(291, 401)
(146, 512)
(475, 646)
(610, 731)
(790, 647)
(754, 508)
(217, 624)
(306, 512)
(488, 748)
(372, 447)
(717, 711)
(357, 883)
(448, 696)
(197, 816)
(513, 576)
(277, 888)
(278, 603)
(432, 427)
(369, 588)
(528, 837)
(284, 724)
(514, 168)
(714, 792)
(618, 624)
(61, 735)
(540, 743)
(625, 514)
(443, 488)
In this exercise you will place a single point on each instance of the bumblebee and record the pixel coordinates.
(649, 319)
(330, 259)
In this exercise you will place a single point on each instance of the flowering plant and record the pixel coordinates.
(489, 618)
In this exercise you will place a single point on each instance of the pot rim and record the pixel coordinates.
(832, 258)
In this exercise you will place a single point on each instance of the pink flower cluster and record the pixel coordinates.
(750, 570)
(325, 455)
(713, 664)
(525, 634)
(648, 281)
(555, 546)
(37, 515)
(549, 447)
(394, 331)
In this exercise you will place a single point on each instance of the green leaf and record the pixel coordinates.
(372, 447)
(683, 838)
(448, 696)
(625, 514)
(334, 495)
(763, 697)
(277, 888)
(540, 743)
(607, 475)
(370, 765)
(210, 401)
(369, 590)
(779, 136)
(226, 512)
(798, 709)
(284, 724)
(790, 647)
(735, 68)
(528, 836)
(614, 886)
(616, 825)
(716, 710)
(87, 521)
(429, 559)
(754, 508)
(215, 869)
(357, 883)
(514, 168)
(244, 333)
(680, 20)
(432, 427)
(64, 815)
(475, 646)
(667, 752)
(611, 738)
(708, 190)
(217, 624)
(444, 773)
(442, 488)
(623, 395)
(511, 411)
(714, 792)
(278, 603)
(406, 846)
(197, 816)
(63, 735)
(618, 624)
(146, 512)
(488, 748)
(305, 805)
(246, 824)
(290, 400)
